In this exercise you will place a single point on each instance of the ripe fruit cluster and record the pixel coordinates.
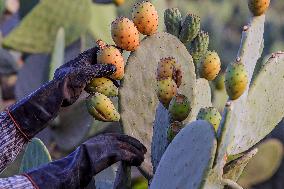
(125, 33)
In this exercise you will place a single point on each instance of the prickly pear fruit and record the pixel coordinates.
(179, 107)
(210, 66)
(102, 85)
(118, 2)
(198, 47)
(169, 67)
(125, 34)
(220, 82)
(236, 80)
(110, 55)
(174, 129)
(102, 109)
(190, 28)
(145, 18)
(211, 115)
(258, 7)
(172, 20)
(166, 90)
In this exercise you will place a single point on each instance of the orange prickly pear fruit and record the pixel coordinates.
(258, 7)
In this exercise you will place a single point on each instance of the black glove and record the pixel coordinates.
(93, 156)
(31, 114)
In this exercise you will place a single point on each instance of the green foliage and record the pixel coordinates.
(36, 154)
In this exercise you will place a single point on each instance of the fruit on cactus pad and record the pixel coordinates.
(102, 109)
(179, 107)
(258, 7)
(166, 90)
(125, 34)
(145, 17)
(211, 115)
(102, 85)
(211, 66)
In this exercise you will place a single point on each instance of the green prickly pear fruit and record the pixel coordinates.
(220, 82)
(145, 17)
(190, 28)
(236, 80)
(168, 67)
(110, 55)
(258, 7)
(210, 66)
(102, 85)
(102, 109)
(179, 107)
(166, 90)
(125, 34)
(211, 115)
(172, 20)
(198, 47)
(174, 129)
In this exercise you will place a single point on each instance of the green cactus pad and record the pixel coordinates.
(262, 166)
(190, 155)
(202, 97)
(190, 28)
(35, 155)
(37, 31)
(234, 169)
(138, 99)
(263, 108)
(199, 46)
(57, 58)
(172, 20)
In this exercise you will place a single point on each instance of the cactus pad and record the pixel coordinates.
(138, 99)
(190, 155)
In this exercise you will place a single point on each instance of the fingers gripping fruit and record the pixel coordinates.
(166, 90)
(102, 85)
(258, 7)
(211, 115)
(110, 55)
(145, 18)
(125, 34)
(211, 66)
(179, 107)
(168, 67)
(236, 80)
(102, 109)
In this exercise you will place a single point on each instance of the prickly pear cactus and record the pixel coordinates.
(138, 99)
(185, 164)
(35, 155)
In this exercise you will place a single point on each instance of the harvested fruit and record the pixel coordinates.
(102, 85)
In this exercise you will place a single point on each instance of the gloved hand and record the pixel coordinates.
(77, 169)
(31, 114)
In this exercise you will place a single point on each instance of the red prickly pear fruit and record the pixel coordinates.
(168, 67)
(258, 7)
(179, 107)
(102, 85)
(236, 80)
(211, 66)
(166, 90)
(211, 115)
(110, 55)
(125, 34)
(145, 18)
(174, 129)
(102, 109)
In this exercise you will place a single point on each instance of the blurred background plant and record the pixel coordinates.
(39, 36)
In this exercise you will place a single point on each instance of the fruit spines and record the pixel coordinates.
(145, 17)
(210, 66)
(236, 80)
(179, 107)
(172, 20)
(211, 115)
(199, 46)
(102, 85)
(258, 7)
(111, 55)
(190, 28)
(102, 109)
(166, 90)
(125, 34)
